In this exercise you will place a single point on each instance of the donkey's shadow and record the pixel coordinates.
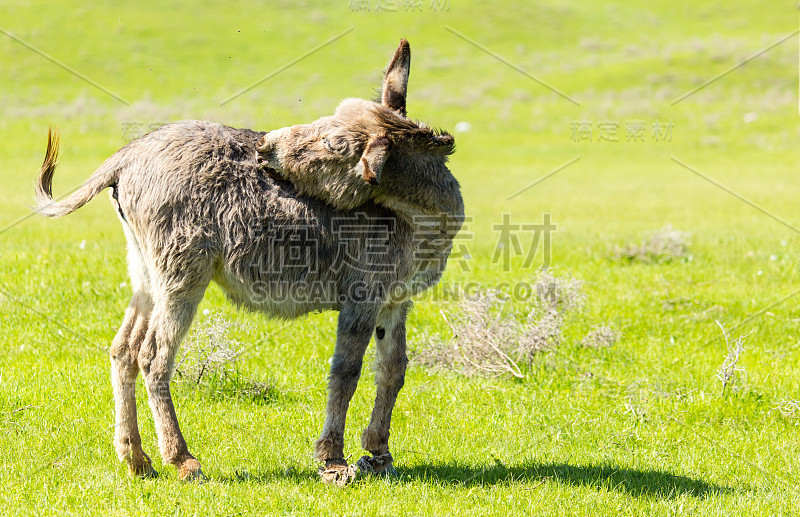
(636, 482)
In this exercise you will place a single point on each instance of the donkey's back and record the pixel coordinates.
(197, 205)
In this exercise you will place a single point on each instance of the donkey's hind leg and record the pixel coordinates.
(124, 369)
(124, 363)
(172, 315)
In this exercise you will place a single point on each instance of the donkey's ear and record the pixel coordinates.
(395, 79)
(374, 158)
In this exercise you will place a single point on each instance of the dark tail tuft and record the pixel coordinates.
(103, 178)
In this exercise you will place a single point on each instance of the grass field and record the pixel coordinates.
(642, 427)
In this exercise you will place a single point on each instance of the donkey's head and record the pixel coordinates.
(368, 151)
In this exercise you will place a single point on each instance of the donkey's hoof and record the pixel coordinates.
(194, 476)
(190, 471)
(377, 465)
(145, 472)
(338, 474)
(140, 466)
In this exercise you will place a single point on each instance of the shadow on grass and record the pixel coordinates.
(637, 483)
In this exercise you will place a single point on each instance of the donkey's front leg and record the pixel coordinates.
(390, 371)
(356, 322)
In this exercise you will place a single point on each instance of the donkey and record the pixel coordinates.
(355, 212)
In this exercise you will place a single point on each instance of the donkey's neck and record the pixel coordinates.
(434, 227)
(445, 206)
(418, 195)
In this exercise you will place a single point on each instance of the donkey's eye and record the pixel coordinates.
(332, 147)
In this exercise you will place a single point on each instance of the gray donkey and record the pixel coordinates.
(355, 212)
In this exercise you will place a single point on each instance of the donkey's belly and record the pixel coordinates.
(280, 297)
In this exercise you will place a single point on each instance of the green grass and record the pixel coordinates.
(641, 428)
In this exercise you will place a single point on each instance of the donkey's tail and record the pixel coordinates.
(104, 177)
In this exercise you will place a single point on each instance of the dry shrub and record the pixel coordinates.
(560, 294)
(788, 408)
(208, 360)
(658, 247)
(492, 337)
(601, 336)
(730, 374)
(209, 352)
